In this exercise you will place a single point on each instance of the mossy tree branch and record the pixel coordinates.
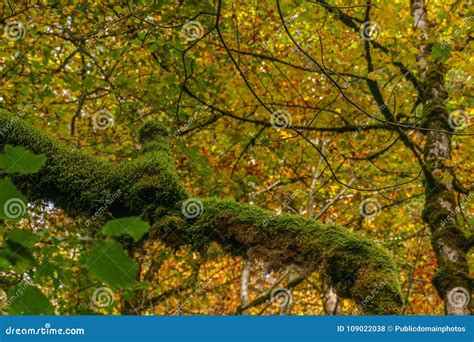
(80, 183)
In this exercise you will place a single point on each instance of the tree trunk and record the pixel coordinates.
(449, 242)
(331, 302)
(244, 286)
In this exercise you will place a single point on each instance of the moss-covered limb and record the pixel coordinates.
(441, 207)
(357, 268)
(80, 183)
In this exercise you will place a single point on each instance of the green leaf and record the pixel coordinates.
(133, 226)
(18, 255)
(25, 238)
(4, 263)
(440, 51)
(108, 262)
(115, 53)
(20, 160)
(12, 201)
(47, 79)
(26, 299)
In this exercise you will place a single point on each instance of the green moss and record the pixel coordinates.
(80, 183)
(352, 264)
(149, 186)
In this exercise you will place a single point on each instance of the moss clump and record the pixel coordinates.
(154, 137)
(80, 183)
(352, 264)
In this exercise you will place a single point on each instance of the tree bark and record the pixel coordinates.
(244, 286)
(448, 240)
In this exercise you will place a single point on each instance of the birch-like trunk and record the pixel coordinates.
(448, 240)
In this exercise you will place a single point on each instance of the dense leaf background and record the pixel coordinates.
(91, 73)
